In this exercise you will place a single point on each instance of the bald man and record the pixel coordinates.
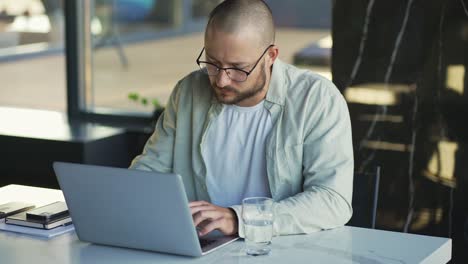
(247, 124)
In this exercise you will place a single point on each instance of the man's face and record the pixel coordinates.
(239, 50)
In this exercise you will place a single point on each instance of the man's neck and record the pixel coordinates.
(251, 101)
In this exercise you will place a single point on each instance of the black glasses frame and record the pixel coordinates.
(232, 68)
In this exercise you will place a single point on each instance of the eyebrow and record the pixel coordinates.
(239, 65)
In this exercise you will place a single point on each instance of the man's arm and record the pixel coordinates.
(158, 152)
(328, 167)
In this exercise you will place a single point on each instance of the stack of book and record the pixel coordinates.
(45, 217)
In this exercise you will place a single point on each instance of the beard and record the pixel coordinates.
(239, 96)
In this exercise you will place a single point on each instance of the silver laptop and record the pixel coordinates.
(133, 209)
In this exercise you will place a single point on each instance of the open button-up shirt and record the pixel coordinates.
(309, 155)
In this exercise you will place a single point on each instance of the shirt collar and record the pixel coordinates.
(277, 88)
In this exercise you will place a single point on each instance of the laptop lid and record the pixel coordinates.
(129, 208)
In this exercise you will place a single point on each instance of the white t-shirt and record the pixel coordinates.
(234, 154)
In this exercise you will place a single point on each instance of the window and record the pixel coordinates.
(32, 65)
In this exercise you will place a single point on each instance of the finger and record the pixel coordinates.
(215, 224)
(206, 215)
(198, 203)
(196, 209)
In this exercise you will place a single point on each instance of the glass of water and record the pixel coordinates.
(257, 216)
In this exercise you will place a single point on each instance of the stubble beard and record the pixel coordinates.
(238, 95)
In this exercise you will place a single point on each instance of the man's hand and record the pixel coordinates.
(213, 217)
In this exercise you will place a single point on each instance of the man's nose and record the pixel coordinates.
(222, 79)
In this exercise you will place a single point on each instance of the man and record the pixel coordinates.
(247, 124)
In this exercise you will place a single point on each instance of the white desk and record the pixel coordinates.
(341, 245)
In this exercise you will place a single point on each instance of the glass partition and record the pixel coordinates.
(137, 52)
(126, 63)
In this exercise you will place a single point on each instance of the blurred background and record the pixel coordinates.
(91, 69)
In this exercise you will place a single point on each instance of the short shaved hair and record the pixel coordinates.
(232, 16)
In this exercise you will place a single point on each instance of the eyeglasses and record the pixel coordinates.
(235, 74)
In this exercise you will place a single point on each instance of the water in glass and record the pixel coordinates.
(257, 217)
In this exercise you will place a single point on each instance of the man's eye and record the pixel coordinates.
(241, 67)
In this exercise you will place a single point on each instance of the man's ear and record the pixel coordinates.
(273, 53)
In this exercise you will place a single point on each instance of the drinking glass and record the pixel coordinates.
(257, 217)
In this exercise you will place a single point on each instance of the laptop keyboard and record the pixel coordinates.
(206, 242)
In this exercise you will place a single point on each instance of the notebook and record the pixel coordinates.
(22, 220)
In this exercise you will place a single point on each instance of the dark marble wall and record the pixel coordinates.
(415, 50)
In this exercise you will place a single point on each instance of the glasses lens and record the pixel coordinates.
(208, 68)
(237, 75)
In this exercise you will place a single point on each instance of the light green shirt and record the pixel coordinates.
(309, 155)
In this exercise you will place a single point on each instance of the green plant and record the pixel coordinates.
(136, 97)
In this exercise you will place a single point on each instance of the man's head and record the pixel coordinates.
(239, 34)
